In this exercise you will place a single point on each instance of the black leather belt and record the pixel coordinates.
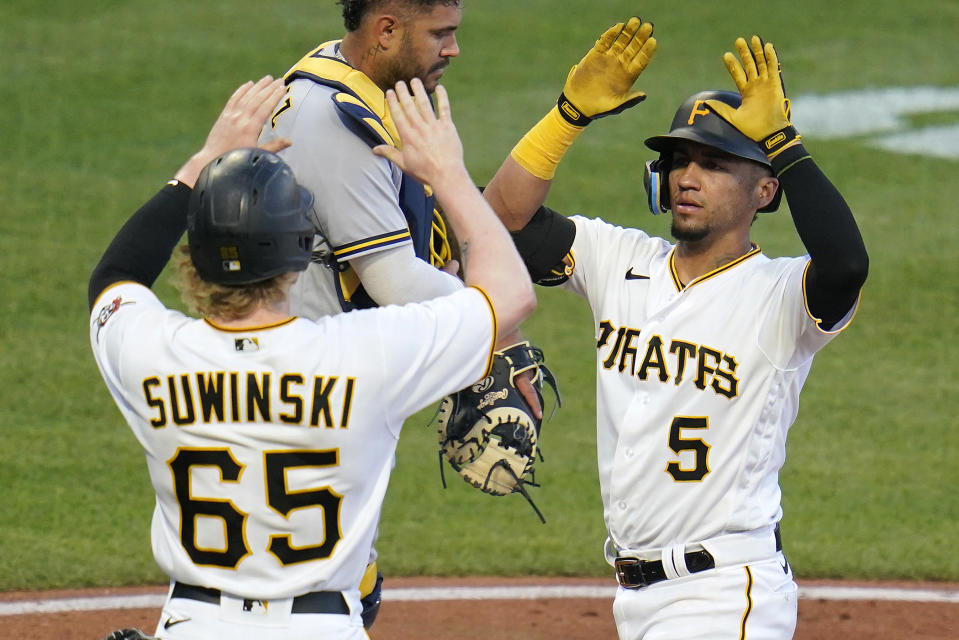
(633, 573)
(314, 602)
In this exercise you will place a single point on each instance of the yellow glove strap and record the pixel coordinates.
(542, 148)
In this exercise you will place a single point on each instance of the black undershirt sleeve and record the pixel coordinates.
(543, 243)
(145, 243)
(838, 259)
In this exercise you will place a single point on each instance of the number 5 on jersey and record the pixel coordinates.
(679, 442)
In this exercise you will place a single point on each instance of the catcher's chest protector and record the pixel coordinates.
(361, 106)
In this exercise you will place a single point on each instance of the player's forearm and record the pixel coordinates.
(515, 194)
(144, 244)
(522, 182)
(489, 258)
(828, 230)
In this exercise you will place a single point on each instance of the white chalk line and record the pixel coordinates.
(427, 594)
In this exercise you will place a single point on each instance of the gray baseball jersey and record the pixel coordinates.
(357, 210)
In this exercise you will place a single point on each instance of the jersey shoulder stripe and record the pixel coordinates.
(358, 118)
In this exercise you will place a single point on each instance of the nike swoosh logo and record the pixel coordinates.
(170, 622)
(635, 276)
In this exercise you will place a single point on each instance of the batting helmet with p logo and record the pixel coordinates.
(696, 122)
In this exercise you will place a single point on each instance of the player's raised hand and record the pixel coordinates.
(242, 118)
(432, 153)
(599, 85)
(764, 114)
(238, 125)
(431, 148)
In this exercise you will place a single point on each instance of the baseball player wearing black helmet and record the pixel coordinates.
(269, 438)
(248, 219)
(702, 345)
(695, 122)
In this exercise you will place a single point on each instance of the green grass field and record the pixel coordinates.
(104, 100)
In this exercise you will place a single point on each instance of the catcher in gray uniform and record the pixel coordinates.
(379, 238)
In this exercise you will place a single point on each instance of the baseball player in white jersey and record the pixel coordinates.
(268, 437)
(702, 346)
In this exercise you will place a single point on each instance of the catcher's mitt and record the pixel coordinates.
(487, 431)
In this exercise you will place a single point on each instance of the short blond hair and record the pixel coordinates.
(226, 302)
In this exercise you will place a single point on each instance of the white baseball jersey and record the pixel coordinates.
(270, 449)
(697, 384)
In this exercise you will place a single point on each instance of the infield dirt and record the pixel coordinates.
(539, 619)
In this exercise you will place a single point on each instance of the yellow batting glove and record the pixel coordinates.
(599, 85)
(764, 113)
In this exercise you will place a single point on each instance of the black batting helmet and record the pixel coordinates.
(248, 219)
(696, 122)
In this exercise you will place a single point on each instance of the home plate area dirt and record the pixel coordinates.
(928, 611)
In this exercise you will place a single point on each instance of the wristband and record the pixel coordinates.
(543, 146)
(570, 113)
(779, 141)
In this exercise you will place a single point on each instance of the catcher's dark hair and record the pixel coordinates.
(354, 10)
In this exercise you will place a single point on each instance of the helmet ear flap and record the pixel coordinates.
(656, 182)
